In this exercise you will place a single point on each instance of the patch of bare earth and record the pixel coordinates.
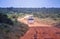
(37, 22)
(42, 33)
(40, 29)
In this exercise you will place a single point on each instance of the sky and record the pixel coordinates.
(30, 3)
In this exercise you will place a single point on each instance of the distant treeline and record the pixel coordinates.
(29, 10)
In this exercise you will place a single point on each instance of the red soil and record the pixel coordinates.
(42, 33)
(39, 30)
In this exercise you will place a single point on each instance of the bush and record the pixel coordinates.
(4, 19)
(11, 29)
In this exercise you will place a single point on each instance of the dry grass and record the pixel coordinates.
(48, 21)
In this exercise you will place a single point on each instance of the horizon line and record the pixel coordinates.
(29, 7)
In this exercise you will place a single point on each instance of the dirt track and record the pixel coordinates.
(36, 23)
(39, 30)
(42, 33)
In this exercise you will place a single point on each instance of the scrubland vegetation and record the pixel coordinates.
(10, 28)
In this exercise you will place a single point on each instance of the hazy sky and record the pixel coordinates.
(30, 3)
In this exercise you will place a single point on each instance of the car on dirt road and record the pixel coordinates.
(31, 19)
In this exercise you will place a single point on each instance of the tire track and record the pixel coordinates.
(42, 33)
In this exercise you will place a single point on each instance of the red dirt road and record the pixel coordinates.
(42, 33)
(40, 30)
(36, 23)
